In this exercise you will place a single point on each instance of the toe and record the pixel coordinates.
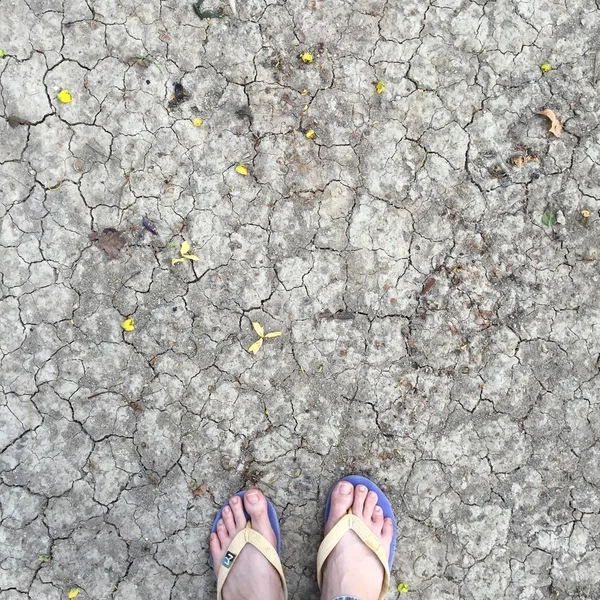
(229, 520)
(377, 519)
(214, 544)
(369, 507)
(222, 533)
(237, 508)
(360, 495)
(255, 504)
(341, 500)
(387, 533)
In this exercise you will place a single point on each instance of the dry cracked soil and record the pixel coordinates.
(430, 255)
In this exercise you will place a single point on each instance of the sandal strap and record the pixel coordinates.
(254, 538)
(350, 522)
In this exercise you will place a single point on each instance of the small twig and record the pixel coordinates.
(108, 392)
(595, 75)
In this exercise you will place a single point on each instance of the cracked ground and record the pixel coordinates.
(431, 257)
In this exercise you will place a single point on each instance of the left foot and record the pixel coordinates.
(252, 576)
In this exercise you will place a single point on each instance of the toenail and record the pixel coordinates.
(378, 509)
(227, 510)
(362, 488)
(372, 495)
(252, 498)
(345, 488)
(233, 500)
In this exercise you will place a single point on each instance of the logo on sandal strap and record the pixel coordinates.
(228, 559)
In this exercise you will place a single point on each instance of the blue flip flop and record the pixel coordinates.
(249, 536)
(352, 522)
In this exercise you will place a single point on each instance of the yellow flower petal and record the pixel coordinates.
(191, 256)
(306, 57)
(545, 67)
(197, 122)
(242, 170)
(402, 588)
(311, 134)
(380, 87)
(256, 346)
(73, 592)
(64, 96)
(273, 334)
(128, 325)
(174, 261)
(185, 248)
(258, 328)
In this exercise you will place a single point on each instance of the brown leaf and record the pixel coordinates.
(428, 286)
(555, 125)
(110, 240)
(199, 490)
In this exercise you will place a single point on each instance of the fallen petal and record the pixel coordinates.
(174, 261)
(256, 346)
(185, 248)
(242, 170)
(73, 592)
(380, 87)
(191, 256)
(128, 325)
(64, 96)
(258, 328)
(273, 334)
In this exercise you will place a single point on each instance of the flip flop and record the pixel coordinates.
(249, 536)
(351, 522)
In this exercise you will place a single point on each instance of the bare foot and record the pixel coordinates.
(352, 569)
(252, 576)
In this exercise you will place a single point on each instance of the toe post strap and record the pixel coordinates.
(350, 522)
(244, 537)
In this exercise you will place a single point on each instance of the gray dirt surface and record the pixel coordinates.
(431, 257)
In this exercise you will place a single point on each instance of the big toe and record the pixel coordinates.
(255, 504)
(341, 500)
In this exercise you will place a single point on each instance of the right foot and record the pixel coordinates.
(352, 569)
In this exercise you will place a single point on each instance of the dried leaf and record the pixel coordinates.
(110, 240)
(242, 170)
(310, 134)
(307, 57)
(273, 334)
(64, 96)
(258, 328)
(197, 122)
(555, 125)
(256, 346)
(428, 286)
(128, 325)
(199, 490)
(380, 87)
(149, 226)
(519, 160)
(43, 558)
(304, 92)
(73, 592)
